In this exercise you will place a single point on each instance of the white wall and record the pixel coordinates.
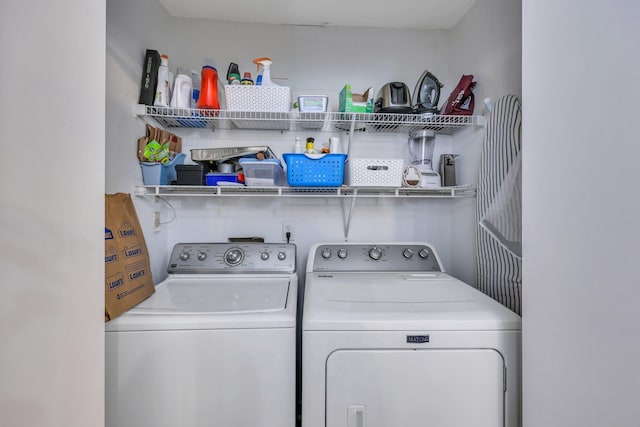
(581, 211)
(52, 213)
(310, 60)
(580, 233)
(132, 27)
(486, 43)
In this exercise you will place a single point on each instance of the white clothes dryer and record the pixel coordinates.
(390, 339)
(215, 344)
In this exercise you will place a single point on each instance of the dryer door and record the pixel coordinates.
(415, 388)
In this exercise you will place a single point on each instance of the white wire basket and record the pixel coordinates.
(257, 98)
(374, 172)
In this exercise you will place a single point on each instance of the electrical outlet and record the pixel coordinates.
(287, 227)
(156, 220)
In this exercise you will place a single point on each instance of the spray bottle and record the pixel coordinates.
(264, 78)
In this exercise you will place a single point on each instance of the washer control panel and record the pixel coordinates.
(375, 257)
(244, 257)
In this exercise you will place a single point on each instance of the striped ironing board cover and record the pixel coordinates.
(499, 205)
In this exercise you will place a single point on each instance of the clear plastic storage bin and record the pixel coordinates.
(267, 172)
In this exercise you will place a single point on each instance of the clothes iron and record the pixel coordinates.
(426, 94)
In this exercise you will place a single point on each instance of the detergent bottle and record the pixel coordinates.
(264, 78)
(209, 89)
(181, 95)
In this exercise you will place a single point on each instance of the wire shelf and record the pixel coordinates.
(330, 121)
(464, 191)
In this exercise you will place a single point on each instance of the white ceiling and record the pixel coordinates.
(414, 14)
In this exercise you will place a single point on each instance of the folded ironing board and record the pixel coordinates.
(499, 205)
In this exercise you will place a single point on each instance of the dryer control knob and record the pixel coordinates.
(375, 253)
(282, 256)
(407, 253)
(184, 256)
(326, 253)
(202, 256)
(423, 253)
(342, 253)
(264, 256)
(233, 256)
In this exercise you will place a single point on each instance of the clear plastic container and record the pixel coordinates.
(268, 172)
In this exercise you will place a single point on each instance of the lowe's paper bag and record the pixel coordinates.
(127, 269)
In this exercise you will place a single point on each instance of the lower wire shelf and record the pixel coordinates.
(463, 191)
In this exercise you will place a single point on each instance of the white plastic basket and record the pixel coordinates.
(374, 172)
(257, 98)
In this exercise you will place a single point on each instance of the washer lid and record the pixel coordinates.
(400, 301)
(207, 301)
(194, 295)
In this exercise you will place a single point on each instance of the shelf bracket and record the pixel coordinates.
(352, 128)
(347, 212)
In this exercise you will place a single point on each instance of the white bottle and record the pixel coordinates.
(163, 90)
(334, 145)
(171, 83)
(195, 93)
(181, 97)
(297, 148)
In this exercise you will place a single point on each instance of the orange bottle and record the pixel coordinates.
(209, 89)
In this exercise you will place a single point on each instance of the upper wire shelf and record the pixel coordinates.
(293, 120)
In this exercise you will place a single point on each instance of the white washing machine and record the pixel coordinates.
(390, 339)
(214, 346)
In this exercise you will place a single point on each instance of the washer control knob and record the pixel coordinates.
(326, 253)
(342, 253)
(423, 253)
(233, 256)
(282, 256)
(202, 256)
(407, 253)
(264, 256)
(184, 256)
(375, 253)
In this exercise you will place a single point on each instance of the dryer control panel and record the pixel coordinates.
(374, 257)
(245, 257)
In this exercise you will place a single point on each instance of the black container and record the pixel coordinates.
(149, 80)
(448, 170)
(190, 174)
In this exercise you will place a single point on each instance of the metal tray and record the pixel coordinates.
(225, 153)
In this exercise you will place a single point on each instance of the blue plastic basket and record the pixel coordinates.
(161, 174)
(324, 171)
